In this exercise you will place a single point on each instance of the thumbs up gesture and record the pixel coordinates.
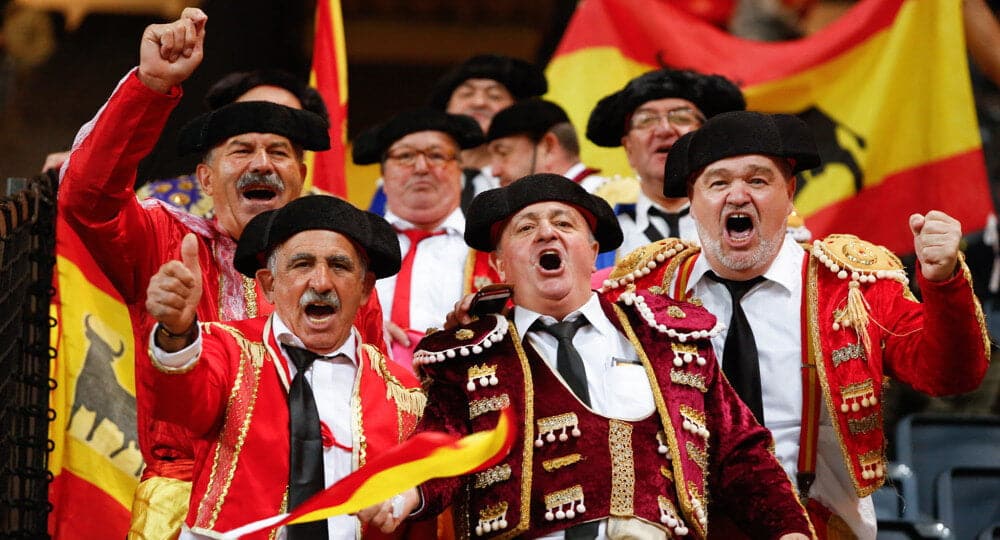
(936, 238)
(175, 290)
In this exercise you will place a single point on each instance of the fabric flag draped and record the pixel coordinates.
(885, 89)
(96, 459)
(420, 458)
(329, 77)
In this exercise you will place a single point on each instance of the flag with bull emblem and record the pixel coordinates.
(95, 460)
(885, 89)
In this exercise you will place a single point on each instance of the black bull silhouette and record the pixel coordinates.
(98, 389)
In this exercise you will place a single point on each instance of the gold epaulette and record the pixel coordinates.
(861, 262)
(619, 190)
(643, 260)
(465, 341)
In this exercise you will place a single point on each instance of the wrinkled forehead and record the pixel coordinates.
(482, 84)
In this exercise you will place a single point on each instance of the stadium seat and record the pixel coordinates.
(931, 444)
(898, 497)
(968, 499)
(905, 529)
(991, 532)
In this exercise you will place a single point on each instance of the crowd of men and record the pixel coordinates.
(724, 381)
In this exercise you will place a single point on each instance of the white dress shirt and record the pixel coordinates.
(617, 382)
(773, 309)
(333, 378)
(438, 272)
(635, 231)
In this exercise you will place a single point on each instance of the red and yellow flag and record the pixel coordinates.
(329, 77)
(420, 458)
(96, 459)
(885, 88)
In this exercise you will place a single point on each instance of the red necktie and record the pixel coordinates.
(401, 296)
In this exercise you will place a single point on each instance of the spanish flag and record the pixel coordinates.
(420, 458)
(95, 459)
(329, 77)
(885, 89)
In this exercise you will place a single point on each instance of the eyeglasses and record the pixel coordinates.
(681, 118)
(408, 157)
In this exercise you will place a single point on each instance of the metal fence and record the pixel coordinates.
(27, 260)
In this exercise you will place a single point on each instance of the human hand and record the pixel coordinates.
(55, 160)
(460, 315)
(175, 290)
(936, 238)
(388, 515)
(395, 334)
(169, 53)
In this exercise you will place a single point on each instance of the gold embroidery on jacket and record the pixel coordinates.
(622, 468)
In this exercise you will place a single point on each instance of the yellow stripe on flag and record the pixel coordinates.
(421, 458)
(94, 337)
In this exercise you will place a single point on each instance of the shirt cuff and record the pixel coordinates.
(178, 361)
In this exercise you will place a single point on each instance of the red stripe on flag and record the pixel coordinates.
(328, 167)
(76, 502)
(880, 213)
(637, 28)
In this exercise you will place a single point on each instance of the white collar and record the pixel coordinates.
(785, 270)
(284, 336)
(591, 310)
(453, 224)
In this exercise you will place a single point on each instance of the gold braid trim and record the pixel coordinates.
(409, 400)
(983, 332)
(528, 447)
(668, 427)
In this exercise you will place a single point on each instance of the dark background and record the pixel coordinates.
(396, 50)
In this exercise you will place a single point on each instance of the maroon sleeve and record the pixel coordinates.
(95, 194)
(745, 479)
(444, 403)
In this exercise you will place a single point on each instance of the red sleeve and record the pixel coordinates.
(197, 399)
(941, 346)
(745, 479)
(96, 196)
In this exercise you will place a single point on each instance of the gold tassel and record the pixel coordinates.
(856, 315)
(408, 400)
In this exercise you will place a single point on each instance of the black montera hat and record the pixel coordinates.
(712, 94)
(522, 80)
(491, 208)
(304, 128)
(227, 89)
(736, 134)
(269, 229)
(371, 146)
(531, 117)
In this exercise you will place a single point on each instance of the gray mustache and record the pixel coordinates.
(312, 297)
(271, 180)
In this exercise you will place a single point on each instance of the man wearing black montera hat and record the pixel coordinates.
(480, 87)
(814, 330)
(535, 136)
(628, 428)
(282, 406)
(419, 153)
(252, 162)
(646, 117)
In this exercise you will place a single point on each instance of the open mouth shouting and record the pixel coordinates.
(739, 227)
(550, 260)
(319, 308)
(260, 188)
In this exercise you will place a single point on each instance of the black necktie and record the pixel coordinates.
(568, 361)
(305, 471)
(673, 223)
(739, 354)
(570, 367)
